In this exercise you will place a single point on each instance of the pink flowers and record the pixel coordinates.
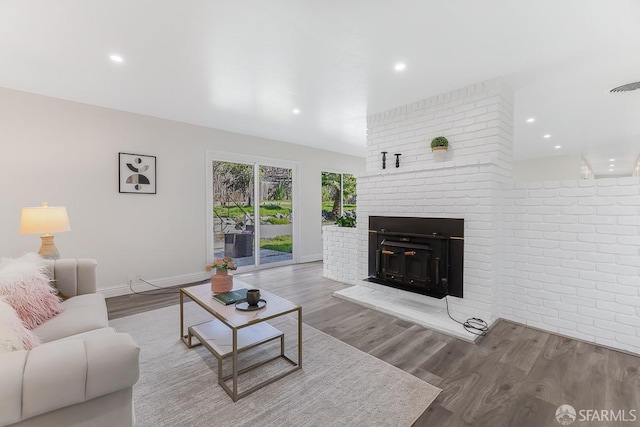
(225, 263)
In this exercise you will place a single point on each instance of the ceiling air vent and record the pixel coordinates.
(627, 87)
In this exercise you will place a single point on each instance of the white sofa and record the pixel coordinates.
(83, 373)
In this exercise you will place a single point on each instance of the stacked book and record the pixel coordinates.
(231, 297)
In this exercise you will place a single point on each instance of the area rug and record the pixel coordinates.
(338, 386)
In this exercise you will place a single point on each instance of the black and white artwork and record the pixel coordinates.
(137, 173)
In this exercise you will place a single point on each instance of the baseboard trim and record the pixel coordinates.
(310, 258)
(608, 347)
(164, 282)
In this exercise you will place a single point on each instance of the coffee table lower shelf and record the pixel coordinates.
(218, 339)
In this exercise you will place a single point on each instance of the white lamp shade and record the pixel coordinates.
(44, 220)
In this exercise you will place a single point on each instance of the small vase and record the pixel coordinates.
(222, 281)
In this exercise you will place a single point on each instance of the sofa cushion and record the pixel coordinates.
(13, 334)
(25, 286)
(97, 333)
(81, 314)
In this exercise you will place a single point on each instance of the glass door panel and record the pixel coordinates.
(276, 214)
(233, 212)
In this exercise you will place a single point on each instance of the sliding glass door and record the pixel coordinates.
(250, 211)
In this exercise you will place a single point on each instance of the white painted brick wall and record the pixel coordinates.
(477, 121)
(589, 234)
(339, 253)
(560, 256)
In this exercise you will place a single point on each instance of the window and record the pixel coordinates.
(338, 196)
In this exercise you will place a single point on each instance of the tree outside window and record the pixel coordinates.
(338, 196)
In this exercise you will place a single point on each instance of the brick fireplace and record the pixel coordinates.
(477, 120)
(559, 256)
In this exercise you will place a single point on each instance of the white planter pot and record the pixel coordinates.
(439, 155)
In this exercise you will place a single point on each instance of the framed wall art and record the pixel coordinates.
(137, 173)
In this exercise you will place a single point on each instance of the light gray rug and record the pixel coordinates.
(338, 385)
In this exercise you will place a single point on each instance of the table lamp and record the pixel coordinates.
(45, 220)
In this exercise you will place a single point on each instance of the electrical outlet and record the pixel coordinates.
(130, 280)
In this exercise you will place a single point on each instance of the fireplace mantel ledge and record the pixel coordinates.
(421, 167)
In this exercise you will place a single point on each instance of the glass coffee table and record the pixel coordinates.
(233, 331)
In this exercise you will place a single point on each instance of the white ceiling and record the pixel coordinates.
(243, 66)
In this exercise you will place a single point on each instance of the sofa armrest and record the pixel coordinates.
(74, 276)
(66, 372)
(113, 364)
(11, 369)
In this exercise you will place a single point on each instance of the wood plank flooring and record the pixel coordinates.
(515, 376)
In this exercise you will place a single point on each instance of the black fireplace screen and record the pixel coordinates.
(422, 255)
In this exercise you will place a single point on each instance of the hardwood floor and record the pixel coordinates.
(515, 376)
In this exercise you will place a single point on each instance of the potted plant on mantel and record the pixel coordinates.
(439, 146)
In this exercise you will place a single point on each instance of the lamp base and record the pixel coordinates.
(48, 248)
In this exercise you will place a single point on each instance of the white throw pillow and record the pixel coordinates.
(13, 334)
(16, 268)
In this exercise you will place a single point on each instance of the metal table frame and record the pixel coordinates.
(233, 392)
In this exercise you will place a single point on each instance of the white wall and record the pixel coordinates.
(66, 153)
(558, 168)
(571, 261)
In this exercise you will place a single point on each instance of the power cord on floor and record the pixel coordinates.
(152, 291)
(474, 325)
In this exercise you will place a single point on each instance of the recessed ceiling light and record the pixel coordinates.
(547, 136)
(117, 58)
(531, 119)
(557, 147)
(610, 170)
(400, 66)
(611, 165)
(295, 111)
(612, 160)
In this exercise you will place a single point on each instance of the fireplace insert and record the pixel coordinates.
(422, 255)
